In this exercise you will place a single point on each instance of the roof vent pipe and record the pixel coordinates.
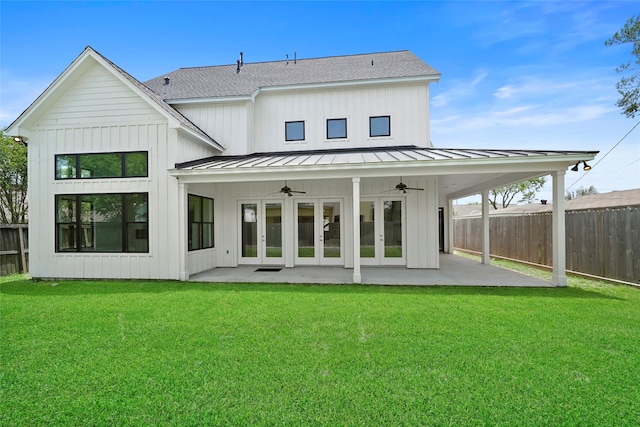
(167, 80)
(241, 59)
(295, 57)
(287, 59)
(237, 66)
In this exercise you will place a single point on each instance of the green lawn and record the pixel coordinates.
(168, 353)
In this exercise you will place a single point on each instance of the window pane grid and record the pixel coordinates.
(102, 223)
(102, 165)
(200, 228)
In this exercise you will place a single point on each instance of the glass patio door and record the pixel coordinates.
(382, 232)
(318, 232)
(261, 233)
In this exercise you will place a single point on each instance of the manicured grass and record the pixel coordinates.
(168, 353)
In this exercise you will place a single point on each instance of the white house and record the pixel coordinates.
(297, 162)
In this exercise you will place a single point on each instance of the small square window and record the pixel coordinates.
(380, 126)
(294, 131)
(336, 128)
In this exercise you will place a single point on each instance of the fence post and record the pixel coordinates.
(23, 257)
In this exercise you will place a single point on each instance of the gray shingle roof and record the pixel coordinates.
(185, 122)
(223, 80)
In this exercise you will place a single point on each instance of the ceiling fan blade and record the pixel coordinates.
(301, 192)
(413, 188)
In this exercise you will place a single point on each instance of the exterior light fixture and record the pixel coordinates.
(20, 139)
(586, 166)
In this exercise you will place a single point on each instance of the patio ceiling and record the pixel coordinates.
(460, 172)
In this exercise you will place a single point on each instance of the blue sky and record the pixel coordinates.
(527, 75)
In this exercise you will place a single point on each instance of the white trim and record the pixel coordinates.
(357, 275)
(558, 239)
(486, 259)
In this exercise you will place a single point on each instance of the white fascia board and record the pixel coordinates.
(391, 80)
(252, 97)
(180, 101)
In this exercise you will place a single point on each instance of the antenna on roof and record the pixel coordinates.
(238, 66)
(287, 58)
(241, 59)
(295, 57)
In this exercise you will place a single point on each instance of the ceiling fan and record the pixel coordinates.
(403, 187)
(288, 191)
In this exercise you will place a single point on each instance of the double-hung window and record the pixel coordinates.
(200, 222)
(336, 128)
(380, 126)
(102, 222)
(102, 165)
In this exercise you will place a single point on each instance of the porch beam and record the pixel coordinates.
(357, 276)
(559, 275)
(486, 258)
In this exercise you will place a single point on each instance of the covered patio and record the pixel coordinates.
(454, 270)
(353, 179)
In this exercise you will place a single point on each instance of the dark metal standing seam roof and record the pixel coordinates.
(224, 80)
(360, 156)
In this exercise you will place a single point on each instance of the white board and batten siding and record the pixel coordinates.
(420, 215)
(255, 127)
(226, 122)
(407, 105)
(100, 113)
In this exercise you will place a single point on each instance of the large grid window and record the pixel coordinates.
(102, 165)
(336, 128)
(200, 223)
(102, 222)
(294, 131)
(380, 126)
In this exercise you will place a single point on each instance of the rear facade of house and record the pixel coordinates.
(323, 162)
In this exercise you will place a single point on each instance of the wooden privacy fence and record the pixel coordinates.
(14, 249)
(600, 242)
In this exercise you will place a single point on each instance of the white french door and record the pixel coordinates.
(318, 232)
(261, 232)
(382, 231)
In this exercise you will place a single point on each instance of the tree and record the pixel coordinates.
(527, 190)
(571, 195)
(629, 85)
(13, 180)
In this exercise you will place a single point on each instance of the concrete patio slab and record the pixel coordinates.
(454, 271)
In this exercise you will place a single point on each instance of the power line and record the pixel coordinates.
(602, 158)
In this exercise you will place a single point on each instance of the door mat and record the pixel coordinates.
(268, 269)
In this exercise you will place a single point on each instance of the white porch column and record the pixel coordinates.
(486, 258)
(559, 275)
(449, 246)
(357, 277)
(182, 231)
